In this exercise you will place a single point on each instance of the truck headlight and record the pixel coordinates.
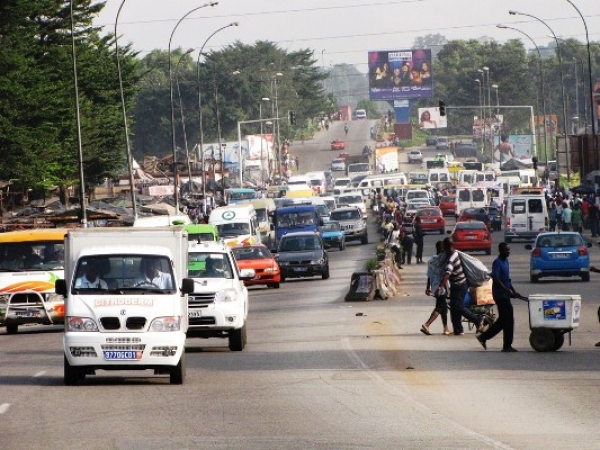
(226, 296)
(167, 323)
(84, 324)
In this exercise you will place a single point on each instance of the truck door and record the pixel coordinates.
(536, 216)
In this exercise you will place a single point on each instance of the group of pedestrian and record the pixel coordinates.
(446, 282)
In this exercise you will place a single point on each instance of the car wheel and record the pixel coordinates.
(273, 285)
(11, 328)
(236, 339)
(534, 278)
(585, 277)
(282, 278)
(177, 374)
(442, 231)
(507, 240)
(325, 274)
(488, 251)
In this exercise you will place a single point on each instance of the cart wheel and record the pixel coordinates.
(541, 339)
(559, 340)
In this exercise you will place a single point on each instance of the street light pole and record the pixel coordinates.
(185, 141)
(262, 140)
(278, 74)
(591, 87)
(495, 88)
(200, 127)
(481, 118)
(543, 83)
(173, 142)
(78, 121)
(123, 108)
(562, 86)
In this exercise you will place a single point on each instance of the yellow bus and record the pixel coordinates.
(30, 262)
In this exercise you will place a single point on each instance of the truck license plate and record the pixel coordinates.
(195, 313)
(122, 355)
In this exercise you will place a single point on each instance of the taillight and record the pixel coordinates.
(582, 251)
(507, 222)
(486, 237)
(536, 253)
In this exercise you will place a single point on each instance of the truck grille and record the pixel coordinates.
(201, 299)
(131, 323)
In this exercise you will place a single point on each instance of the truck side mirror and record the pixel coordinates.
(60, 287)
(187, 286)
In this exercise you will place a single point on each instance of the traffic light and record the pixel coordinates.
(442, 104)
(292, 117)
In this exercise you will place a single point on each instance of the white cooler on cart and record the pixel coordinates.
(550, 318)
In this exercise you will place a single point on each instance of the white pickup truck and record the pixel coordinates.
(125, 301)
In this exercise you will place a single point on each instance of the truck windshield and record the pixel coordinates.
(106, 273)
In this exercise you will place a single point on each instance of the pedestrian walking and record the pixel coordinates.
(435, 272)
(419, 235)
(458, 289)
(407, 242)
(502, 291)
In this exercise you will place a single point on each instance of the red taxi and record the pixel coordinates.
(259, 258)
(479, 214)
(338, 144)
(431, 219)
(472, 236)
(448, 205)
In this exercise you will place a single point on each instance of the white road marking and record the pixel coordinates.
(4, 407)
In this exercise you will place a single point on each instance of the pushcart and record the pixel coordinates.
(550, 318)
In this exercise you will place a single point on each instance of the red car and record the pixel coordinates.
(259, 258)
(448, 205)
(338, 144)
(472, 236)
(479, 214)
(431, 219)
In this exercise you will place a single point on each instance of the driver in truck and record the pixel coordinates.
(151, 274)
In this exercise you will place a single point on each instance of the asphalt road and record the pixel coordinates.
(321, 373)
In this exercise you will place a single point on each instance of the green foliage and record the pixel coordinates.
(371, 264)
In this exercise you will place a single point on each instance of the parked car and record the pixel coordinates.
(415, 156)
(495, 217)
(259, 258)
(442, 143)
(475, 214)
(333, 235)
(431, 219)
(338, 165)
(302, 255)
(448, 205)
(471, 236)
(338, 144)
(563, 254)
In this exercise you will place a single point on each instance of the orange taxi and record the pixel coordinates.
(259, 258)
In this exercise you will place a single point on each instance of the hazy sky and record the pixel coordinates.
(343, 31)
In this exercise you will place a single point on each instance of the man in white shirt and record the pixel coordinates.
(152, 274)
(91, 278)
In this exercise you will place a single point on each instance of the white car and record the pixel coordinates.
(411, 209)
(415, 156)
(218, 307)
(338, 165)
(353, 200)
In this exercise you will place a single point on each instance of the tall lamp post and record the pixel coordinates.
(278, 74)
(185, 141)
(200, 127)
(123, 108)
(562, 87)
(478, 81)
(262, 140)
(78, 120)
(173, 142)
(542, 80)
(495, 88)
(591, 87)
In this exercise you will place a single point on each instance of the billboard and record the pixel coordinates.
(400, 74)
(429, 118)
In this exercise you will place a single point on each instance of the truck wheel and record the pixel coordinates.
(177, 374)
(73, 375)
(11, 328)
(236, 339)
(325, 273)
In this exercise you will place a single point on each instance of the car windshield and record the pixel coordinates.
(244, 253)
(31, 256)
(233, 229)
(348, 199)
(428, 212)
(299, 244)
(209, 265)
(352, 214)
(559, 240)
(463, 226)
(447, 200)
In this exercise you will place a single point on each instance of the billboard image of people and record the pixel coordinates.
(401, 74)
(430, 118)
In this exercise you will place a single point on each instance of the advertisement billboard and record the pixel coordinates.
(400, 74)
(430, 118)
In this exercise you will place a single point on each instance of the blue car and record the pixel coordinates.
(333, 235)
(563, 254)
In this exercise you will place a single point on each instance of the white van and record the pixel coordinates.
(264, 208)
(317, 181)
(360, 114)
(414, 194)
(381, 180)
(525, 217)
(237, 224)
(470, 197)
(298, 182)
(437, 175)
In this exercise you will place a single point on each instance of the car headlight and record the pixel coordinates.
(283, 263)
(226, 296)
(54, 298)
(318, 261)
(167, 323)
(83, 324)
(271, 269)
